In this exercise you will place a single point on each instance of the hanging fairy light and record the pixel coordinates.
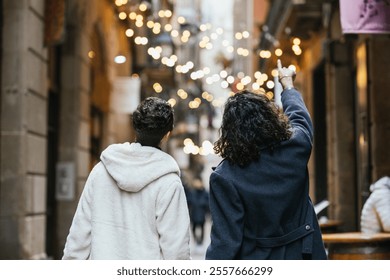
(129, 32)
(296, 41)
(172, 102)
(270, 84)
(157, 87)
(91, 54)
(120, 59)
(168, 27)
(122, 15)
(238, 36)
(210, 35)
(203, 27)
(245, 34)
(278, 52)
(132, 15)
(255, 86)
(143, 7)
(181, 20)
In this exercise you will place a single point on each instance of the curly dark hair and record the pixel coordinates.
(152, 119)
(250, 123)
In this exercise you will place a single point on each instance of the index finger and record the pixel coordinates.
(279, 64)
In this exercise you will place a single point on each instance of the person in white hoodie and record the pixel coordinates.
(376, 210)
(133, 205)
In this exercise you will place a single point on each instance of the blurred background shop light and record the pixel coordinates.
(126, 94)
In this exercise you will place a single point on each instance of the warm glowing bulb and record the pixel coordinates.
(129, 32)
(122, 15)
(270, 84)
(278, 52)
(238, 36)
(133, 15)
(174, 33)
(292, 67)
(168, 27)
(119, 59)
(181, 20)
(172, 102)
(297, 41)
(143, 7)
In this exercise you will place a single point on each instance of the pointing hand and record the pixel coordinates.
(286, 76)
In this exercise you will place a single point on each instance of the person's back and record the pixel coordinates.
(199, 203)
(259, 194)
(133, 205)
(376, 210)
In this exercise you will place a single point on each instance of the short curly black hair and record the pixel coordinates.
(152, 120)
(250, 123)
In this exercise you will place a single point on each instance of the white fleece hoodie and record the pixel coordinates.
(376, 211)
(133, 207)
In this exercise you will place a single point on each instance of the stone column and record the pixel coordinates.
(379, 102)
(341, 137)
(74, 121)
(23, 131)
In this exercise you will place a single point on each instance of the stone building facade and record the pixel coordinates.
(56, 90)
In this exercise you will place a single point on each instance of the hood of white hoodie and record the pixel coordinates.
(134, 166)
(382, 183)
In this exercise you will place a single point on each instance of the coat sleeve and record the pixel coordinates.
(227, 214)
(296, 111)
(173, 223)
(382, 208)
(78, 242)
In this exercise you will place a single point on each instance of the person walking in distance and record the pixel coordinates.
(259, 193)
(133, 205)
(199, 207)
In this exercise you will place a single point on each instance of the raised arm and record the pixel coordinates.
(293, 104)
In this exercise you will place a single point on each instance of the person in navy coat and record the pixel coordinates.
(259, 194)
(199, 208)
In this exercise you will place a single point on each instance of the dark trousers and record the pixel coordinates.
(198, 237)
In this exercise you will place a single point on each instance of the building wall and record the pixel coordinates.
(339, 117)
(341, 145)
(23, 131)
(312, 57)
(24, 116)
(341, 142)
(346, 189)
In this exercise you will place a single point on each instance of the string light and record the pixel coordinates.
(172, 102)
(120, 59)
(91, 54)
(129, 32)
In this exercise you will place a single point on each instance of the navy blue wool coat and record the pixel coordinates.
(263, 210)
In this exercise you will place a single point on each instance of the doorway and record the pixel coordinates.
(52, 150)
(320, 136)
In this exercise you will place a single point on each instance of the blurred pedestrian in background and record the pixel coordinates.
(259, 193)
(133, 205)
(376, 210)
(199, 207)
